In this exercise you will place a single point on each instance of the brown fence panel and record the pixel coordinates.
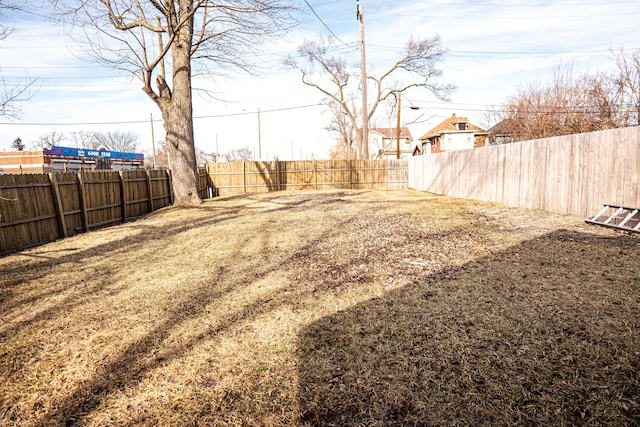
(69, 189)
(39, 208)
(135, 187)
(397, 174)
(103, 199)
(299, 175)
(204, 183)
(260, 177)
(27, 212)
(252, 177)
(160, 188)
(227, 177)
(334, 174)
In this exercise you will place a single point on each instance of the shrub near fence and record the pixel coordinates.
(36, 209)
(257, 177)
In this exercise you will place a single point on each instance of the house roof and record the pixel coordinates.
(449, 125)
(393, 132)
(503, 127)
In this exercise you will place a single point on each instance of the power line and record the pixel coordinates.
(501, 18)
(323, 23)
(129, 122)
(526, 4)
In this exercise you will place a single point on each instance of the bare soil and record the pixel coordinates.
(325, 308)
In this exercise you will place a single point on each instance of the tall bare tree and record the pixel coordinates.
(416, 68)
(164, 43)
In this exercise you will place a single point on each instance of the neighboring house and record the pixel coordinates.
(452, 134)
(384, 142)
(501, 133)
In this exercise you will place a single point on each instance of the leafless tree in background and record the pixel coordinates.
(165, 43)
(18, 144)
(47, 140)
(417, 68)
(117, 140)
(627, 85)
(241, 154)
(342, 128)
(85, 139)
(573, 103)
(12, 95)
(161, 157)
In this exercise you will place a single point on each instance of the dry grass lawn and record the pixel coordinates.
(325, 308)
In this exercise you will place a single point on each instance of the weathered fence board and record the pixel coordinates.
(574, 174)
(252, 177)
(40, 208)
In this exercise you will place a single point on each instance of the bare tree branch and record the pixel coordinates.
(417, 68)
(196, 36)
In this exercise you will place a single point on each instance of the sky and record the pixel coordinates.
(494, 48)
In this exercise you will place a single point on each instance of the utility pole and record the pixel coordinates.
(364, 148)
(398, 135)
(259, 138)
(153, 142)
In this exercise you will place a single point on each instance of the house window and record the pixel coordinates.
(462, 126)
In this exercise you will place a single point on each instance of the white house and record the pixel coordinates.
(383, 143)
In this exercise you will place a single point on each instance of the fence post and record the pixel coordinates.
(244, 177)
(58, 205)
(83, 202)
(149, 190)
(315, 173)
(386, 172)
(123, 202)
(170, 184)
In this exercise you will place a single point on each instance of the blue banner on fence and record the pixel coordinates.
(85, 152)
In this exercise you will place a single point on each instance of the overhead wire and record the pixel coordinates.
(127, 122)
(323, 23)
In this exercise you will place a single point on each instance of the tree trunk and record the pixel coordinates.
(177, 113)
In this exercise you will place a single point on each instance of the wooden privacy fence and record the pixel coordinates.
(574, 174)
(36, 209)
(257, 177)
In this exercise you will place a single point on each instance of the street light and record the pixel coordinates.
(413, 107)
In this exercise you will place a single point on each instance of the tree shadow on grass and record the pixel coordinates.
(40, 261)
(153, 349)
(544, 333)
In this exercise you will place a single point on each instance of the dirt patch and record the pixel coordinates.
(325, 308)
